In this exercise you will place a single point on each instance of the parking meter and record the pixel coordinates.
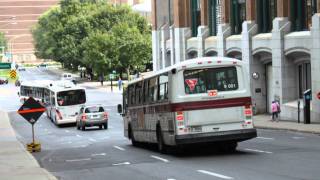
(307, 98)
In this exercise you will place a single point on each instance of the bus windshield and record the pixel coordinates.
(202, 80)
(72, 97)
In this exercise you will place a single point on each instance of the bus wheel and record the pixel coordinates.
(161, 146)
(133, 141)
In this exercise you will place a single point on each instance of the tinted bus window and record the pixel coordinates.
(72, 97)
(202, 80)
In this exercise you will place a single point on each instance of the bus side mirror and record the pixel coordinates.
(119, 108)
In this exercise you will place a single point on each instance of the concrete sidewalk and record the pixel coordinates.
(15, 162)
(106, 86)
(263, 121)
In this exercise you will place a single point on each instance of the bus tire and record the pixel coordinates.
(161, 146)
(131, 136)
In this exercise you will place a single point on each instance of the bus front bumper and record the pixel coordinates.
(235, 135)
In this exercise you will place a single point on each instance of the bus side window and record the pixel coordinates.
(145, 92)
(163, 87)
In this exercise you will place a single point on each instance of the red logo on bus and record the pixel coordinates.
(191, 83)
(213, 93)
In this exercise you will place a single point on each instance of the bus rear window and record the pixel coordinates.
(72, 97)
(202, 80)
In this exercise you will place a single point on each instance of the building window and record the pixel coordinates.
(195, 16)
(237, 15)
(214, 14)
(266, 11)
(300, 14)
(170, 8)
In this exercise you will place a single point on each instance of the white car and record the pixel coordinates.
(67, 76)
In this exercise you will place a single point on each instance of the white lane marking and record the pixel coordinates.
(266, 138)
(101, 154)
(120, 148)
(78, 135)
(119, 164)
(171, 179)
(260, 151)
(77, 160)
(297, 137)
(214, 174)
(159, 158)
(93, 140)
(67, 131)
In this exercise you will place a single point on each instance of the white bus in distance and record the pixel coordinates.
(204, 100)
(35, 89)
(63, 102)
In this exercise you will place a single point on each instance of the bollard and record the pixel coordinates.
(298, 111)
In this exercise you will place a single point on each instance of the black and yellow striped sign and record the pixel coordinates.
(13, 74)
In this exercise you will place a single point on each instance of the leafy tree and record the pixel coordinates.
(94, 34)
(3, 41)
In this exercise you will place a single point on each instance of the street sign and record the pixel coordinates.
(5, 65)
(31, 110)
(111, 76)
(13, 74)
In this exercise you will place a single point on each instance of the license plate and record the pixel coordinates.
(95, 116)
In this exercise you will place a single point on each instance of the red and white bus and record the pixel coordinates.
(204, 100)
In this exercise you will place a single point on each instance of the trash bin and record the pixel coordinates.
(307, 98)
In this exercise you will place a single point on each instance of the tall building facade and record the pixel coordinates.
(16, 20)
(278, 39)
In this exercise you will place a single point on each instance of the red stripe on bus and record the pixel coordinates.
(222, 103)
(31, 111)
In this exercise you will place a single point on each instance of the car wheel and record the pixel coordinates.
(105, 125)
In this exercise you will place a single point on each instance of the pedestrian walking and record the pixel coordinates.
(101, 79)
(120, 83)
(275, 107)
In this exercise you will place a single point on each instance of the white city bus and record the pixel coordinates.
(33, 89)
(204, 100)
(63, 101)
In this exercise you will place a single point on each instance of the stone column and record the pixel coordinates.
(164, 37)
(155, 38)
(281, 89)
(282, 8)
(181, 13)
(249, 29)
(315, 66)
(204, 12)
(224, 28)
(203, 31)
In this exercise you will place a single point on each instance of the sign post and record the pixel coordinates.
(31, 111)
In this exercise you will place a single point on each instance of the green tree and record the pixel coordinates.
(93, 34)
(3, 41)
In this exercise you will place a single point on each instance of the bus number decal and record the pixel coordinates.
(191, 83)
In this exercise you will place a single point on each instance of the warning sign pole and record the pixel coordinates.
(33, 134)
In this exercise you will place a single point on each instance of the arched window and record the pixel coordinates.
(214, 14)
(195, 16)
(237, 15)
(266, 11)
(301, 13)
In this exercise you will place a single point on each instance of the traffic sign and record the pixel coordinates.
(111, 76)
(13, 74)
(31, 110)
(5, 65)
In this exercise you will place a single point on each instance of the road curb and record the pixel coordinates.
(26, 167)
(287, 129)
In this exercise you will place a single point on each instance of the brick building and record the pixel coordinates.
(279, 39)
(16, 20)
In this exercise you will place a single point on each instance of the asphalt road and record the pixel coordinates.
(105, 154)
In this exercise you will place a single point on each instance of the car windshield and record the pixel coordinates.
(72, 97)
(94, 110)
(202, 80)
